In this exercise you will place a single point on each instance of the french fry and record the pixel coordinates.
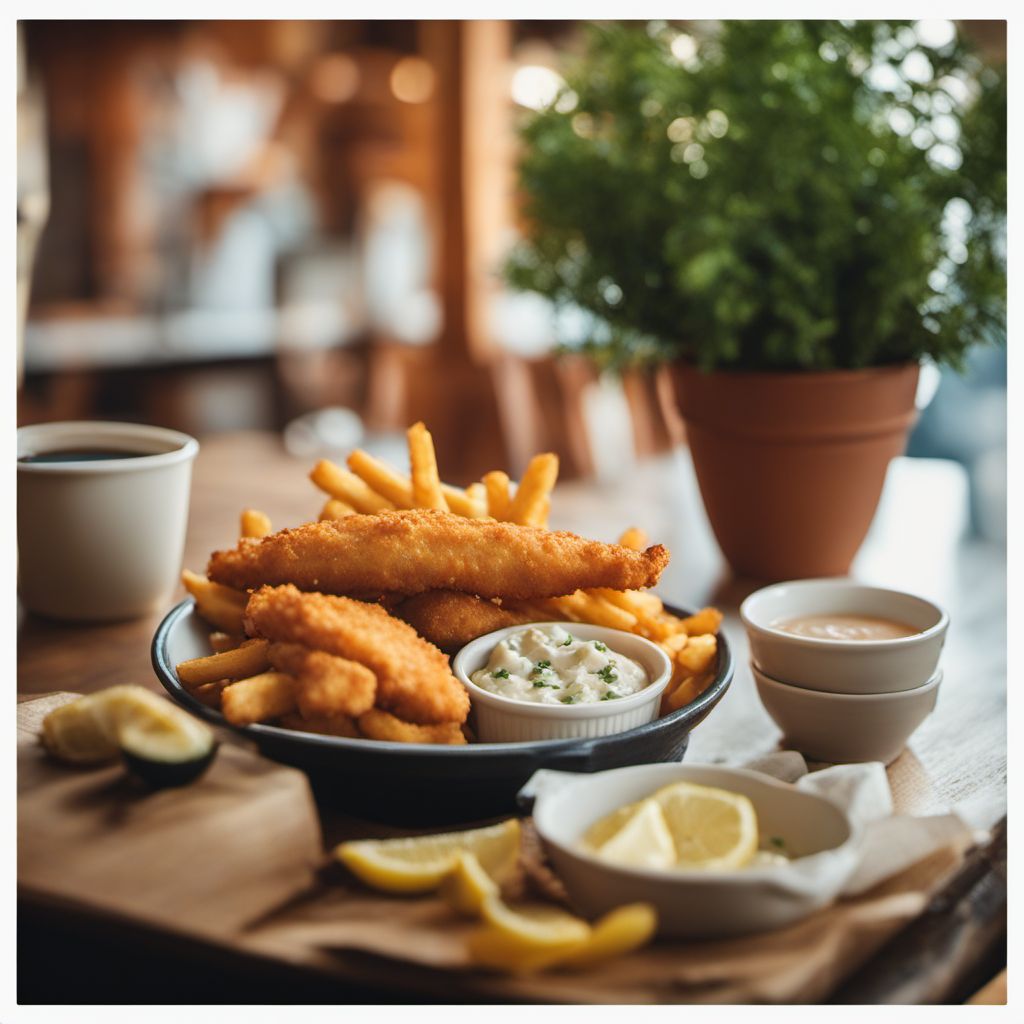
(347, 487)
(698, 654)
(460, 502)
(209, 693)
(707, 620)
(527, 506)
(335, 509)
(598, 612)
(645, 607)
(636, 601)
(248, 660)
(382, 478)
(689, 688)
(545, 511)
(477, 494)
(255, 523)
(426, 484)
(634, 538)
(219, 605)
(259, 698)
(672, 645)
(221, 642)
(498, 497)
(658, 627)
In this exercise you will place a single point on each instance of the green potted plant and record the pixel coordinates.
(793, 215)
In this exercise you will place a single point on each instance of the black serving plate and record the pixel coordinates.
(423, 784)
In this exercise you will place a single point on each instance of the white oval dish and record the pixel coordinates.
(700, 904)
(846, 727)
(843, 666)
(505, 720)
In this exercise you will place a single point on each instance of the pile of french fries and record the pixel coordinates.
(368, 486)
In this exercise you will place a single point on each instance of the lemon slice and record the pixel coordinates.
(644, 841)
(540, 924)
(75, 733)
(601, 831)
(620, 931)
(525, 938)
(94, 728)
(420, 863)
(468, 886)
(712, 828)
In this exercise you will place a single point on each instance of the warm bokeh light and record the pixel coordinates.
(535, 86)
(335, 78)
(412, 80)
(684, 47)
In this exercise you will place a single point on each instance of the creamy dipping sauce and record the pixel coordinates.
(551, 666)
(845, 627)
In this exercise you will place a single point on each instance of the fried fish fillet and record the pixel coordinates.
(413, 678)
(325, 683)
(407, 552)
(451, 619)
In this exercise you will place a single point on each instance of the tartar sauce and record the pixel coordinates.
(551, 666)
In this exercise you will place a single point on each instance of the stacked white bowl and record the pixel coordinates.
(842, 700)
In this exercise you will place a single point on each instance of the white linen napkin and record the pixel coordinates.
(889, 843)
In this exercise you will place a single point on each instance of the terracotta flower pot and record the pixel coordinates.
(791, 465)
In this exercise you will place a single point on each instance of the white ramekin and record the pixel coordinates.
(102, 540)
(504, 720)
(843, 666)
(846, 727)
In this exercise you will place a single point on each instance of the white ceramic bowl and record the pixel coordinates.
(503, 720)
(102, 540)
(845, 727)
(843, 666)
(697, 904)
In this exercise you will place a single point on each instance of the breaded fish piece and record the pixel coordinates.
(325, 683)
(325, 725)
(379, 725)
(413, 677)
(409, 551)
(450, 619)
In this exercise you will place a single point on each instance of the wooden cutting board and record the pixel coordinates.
(210, 857)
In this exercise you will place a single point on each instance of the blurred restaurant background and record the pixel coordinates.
(299, 226)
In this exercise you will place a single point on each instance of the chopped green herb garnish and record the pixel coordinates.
(600, 646)
(611, 695)
(608, 673)
(569, 699)
(567, 642)
(541, 666)
(539, 685)
(500, 673)
(778, 842)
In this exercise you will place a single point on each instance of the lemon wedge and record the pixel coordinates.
(525, 938)
(644, 841)
(420, 863)
(467, 886)
(711, 828)
(620, 931)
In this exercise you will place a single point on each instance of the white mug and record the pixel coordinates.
(101, 538)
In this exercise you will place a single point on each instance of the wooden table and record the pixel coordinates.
(918, 543)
